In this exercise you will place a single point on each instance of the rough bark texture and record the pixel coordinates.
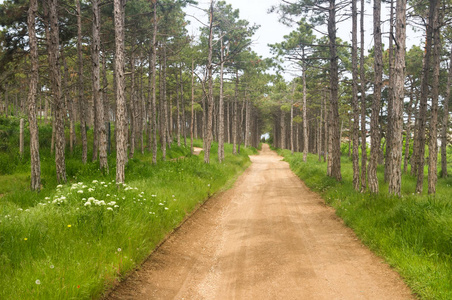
(305, 112)
(152, 91)
(192, 120)
(355, 131)
(363, 106)
(390, 126)
(334, 78)
(408, 130)
(208, 134)
(221, 108)
(82, 106)
(54, 66)
(395, 172)
(445, 121)
(121, 125)
(283, 129)
(433, 142)
(424, 97)
(374, 126)
(234, 114)
(35, 175)
(97, 98)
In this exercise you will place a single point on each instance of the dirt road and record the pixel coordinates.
(268, 237)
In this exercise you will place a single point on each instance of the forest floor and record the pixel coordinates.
(268, 237)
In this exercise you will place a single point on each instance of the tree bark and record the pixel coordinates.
(305, 111)
(192, 120)
(35, 162)
(82, 106)
(355, 131)
(390, 126)
(221, 107)
(208, 136)
(433, 143)
(363, 106)
(395, 171)
(334, 78)
(374, 125)
(424, 96)
(97, 98)
(152, 89)
(54, 65)
(121, 123)
(408, 130)
(445, 121)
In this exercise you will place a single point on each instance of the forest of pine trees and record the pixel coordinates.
(130, 72)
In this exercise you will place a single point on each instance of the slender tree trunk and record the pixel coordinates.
(208, 136)
(69, 104)
(408, 130)
(334, 78)
(433, 4)
(433, 143)
(234, 114)
(305, 111)
(152, 89)
(192, 120)
(390, 126)
(81, 102)
(445, 121)
(374, 124)
(221, 107)
(97, 98)
(363, 106)
(54, 56)
(121, 122)
(35, 163)
(355, 131)
(395, 174)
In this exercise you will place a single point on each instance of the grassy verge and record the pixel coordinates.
(413, 233)
(74, 241)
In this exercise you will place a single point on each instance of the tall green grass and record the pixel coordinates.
(75, 240)
(413, 233)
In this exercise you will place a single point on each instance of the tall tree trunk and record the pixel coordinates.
(208, 135)
(133, 104)
(192, 119)
(445, 121)
(35, 163)
(81, 102)
(408, 130)
(283, 129)
(97, 98)
(334, 78)
(152, 88)
(234, 113)
(390, 127)
(69, 104)
(363, 106)
(433, 143)
(424, 96)
(395, 173)
(355, 131)
(221, 107)
(121, 122)
(374, 125)
(305, 110)
(54, 65)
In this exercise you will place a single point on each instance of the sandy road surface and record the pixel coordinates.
(268, 237)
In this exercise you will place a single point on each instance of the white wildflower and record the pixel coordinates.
(87, 204)
(109, 208)
(95, 181)
(38, 281)
(80, 191)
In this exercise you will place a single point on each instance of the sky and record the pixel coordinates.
(271, 31)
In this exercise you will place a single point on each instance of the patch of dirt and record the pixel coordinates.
(269, 237)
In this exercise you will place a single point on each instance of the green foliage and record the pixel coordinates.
(75, 241)
(412, 233)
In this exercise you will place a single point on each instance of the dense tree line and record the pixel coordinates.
(129, 67)
(394, 99)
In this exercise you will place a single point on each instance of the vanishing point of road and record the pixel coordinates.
(268, 237)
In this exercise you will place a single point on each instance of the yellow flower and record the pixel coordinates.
(69, 225)
(25, 239)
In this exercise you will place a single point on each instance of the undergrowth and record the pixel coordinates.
(413, 233)
(74, 241)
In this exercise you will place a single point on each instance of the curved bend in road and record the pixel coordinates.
(268, 237)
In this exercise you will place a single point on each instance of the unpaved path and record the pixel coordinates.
(268, 237)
